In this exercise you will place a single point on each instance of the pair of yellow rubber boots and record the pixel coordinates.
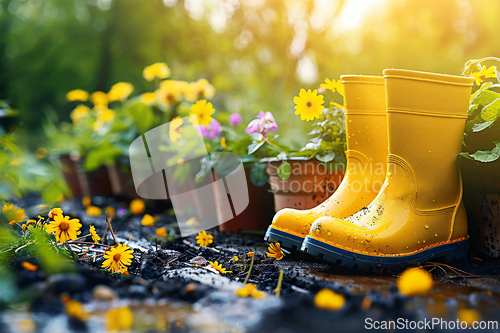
(400, 202)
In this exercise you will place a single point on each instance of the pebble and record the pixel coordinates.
(103, 293)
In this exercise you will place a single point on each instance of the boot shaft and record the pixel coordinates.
(366, 122)
(426, 115)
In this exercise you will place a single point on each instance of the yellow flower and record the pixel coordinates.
(148, 98)
(161, 233)
(329, 85)
(218, 267)
(93, 233)
(137, 206)
(64, 228)
(251, 254)
(235, 258)
(223, 143)
(148, 220)
(86, 201)
(309, 105)
(333, 86)
(29, 266)
(367, 302)
(99, 99)
(80, 112)
(104, 115)
(175, 129)
(54, 212)
(158, 70)
(203, 112)
(93, 211)
(77, 95)
(327, 299)
(41, 152)
(110, 211)
(124, 271)
(199, 90)
(120, 91)
(193, 221)
(250, 290)
(415, 281)
(13, 213)
(28, 223)
(119, 319)
(170, 92)
(76, 310)
(469, 316)
(117, 258)
(275, 251)
(203, 239)
(484, 74)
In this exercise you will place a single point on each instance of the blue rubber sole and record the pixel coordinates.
(286, 240)
(450, 253)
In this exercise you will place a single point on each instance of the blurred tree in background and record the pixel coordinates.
(257, 53)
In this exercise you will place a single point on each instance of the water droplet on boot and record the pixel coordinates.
(329, 233)
(436, 235)
(424, 242)
(426, 226)
(355, 238)
(348, 235)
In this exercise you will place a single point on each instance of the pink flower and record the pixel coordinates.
(263, 124)
(235, 119)
(212, 130)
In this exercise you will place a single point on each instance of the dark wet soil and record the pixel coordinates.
(164, 281)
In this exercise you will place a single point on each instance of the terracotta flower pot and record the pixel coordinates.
(258, 214)
(121, 180)
(309, 184)
(94, 182)
(482, 197)
(70, 173)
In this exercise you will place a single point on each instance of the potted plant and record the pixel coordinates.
(105, 124)
(304, 179)
(480, 163)
(228, 138)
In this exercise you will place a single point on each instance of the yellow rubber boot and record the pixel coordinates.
(366, 128)
(418, 214)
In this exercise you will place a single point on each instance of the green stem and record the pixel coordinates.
(273, 145)
(249, 270)
(280, 281)
(82, 237)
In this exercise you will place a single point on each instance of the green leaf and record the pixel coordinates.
(284, 170)
(254, 147)
(142, 115)
(481, 126)
(485, 85)
(309, 153)
(487, 155)
(466, 155)
(258, 174)
(491, 112)
(326, 158)
(103, 154)
(485, 97)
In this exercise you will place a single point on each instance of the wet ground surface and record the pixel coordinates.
(170, 288)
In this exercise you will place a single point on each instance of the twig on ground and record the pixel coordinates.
(197, 248)
(111, 228)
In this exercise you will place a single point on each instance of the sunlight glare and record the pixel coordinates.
(354, 11)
